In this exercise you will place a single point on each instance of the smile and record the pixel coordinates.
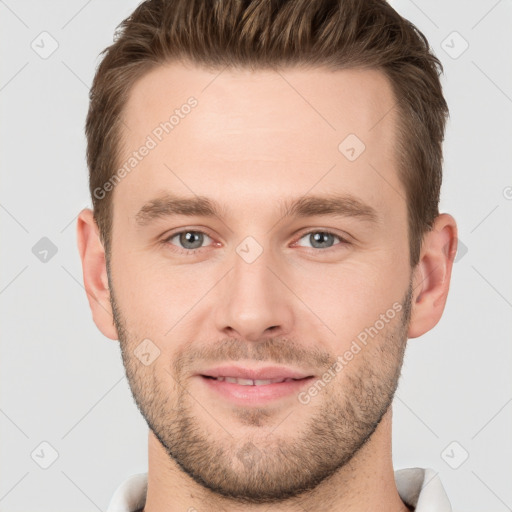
(251, 382)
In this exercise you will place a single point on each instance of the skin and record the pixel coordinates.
(253, 139)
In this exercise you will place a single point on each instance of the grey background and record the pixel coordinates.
(63, 383)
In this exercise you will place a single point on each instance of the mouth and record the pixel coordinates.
(250, 382)
(245, 373)
(245, 386)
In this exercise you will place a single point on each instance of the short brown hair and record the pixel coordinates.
(259, 34)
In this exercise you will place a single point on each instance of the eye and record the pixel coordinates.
(191, 241)
(188, 241)
(321, 239)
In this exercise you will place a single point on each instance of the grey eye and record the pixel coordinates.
(190, 239)
(320, 239)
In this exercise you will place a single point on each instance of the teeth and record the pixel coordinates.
(250, 382)
(243, 382)
(262, 382)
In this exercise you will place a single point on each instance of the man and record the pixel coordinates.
(265, 238)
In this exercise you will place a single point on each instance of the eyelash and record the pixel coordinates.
(180, 250)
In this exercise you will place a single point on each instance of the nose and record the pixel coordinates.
(254, 303)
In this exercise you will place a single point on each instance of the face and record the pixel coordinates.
(288, 261)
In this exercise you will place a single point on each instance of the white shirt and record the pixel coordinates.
(418, 487)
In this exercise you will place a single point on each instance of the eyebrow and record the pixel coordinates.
(344, 205)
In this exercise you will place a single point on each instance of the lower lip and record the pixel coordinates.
(255, 394)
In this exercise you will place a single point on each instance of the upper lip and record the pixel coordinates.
(264, 373)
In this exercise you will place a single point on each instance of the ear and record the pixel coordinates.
(431, 276)
(94, 269)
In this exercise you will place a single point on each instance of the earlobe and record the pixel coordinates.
(431, 279)
(94, 272)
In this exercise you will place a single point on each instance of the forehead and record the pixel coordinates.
(259, 132)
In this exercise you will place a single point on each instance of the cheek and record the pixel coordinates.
(154, 294)
(352, 295)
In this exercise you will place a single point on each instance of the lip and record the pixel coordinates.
(264, 373)
(241, 394)
(246, 395)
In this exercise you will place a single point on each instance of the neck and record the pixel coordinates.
(365, 484)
